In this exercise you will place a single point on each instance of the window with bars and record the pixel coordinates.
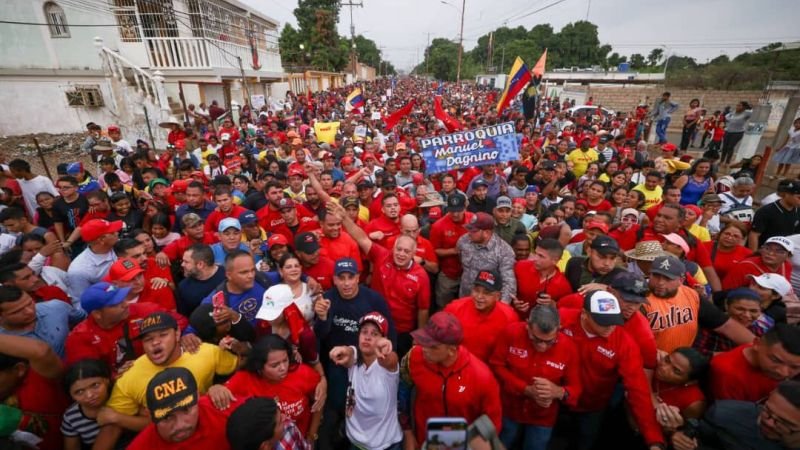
(125, 13)
(87, 96)
(56, 20)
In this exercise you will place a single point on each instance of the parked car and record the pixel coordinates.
(590, 109)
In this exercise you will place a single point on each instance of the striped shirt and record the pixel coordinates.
(76, 424)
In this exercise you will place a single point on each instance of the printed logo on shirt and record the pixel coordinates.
(518, 352)
(349, 325)
(412, 277)
(555, 365)
(606, 352)
(248, 308)
(676, 316)
(462, 389)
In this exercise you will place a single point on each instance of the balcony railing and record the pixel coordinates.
(203, 53)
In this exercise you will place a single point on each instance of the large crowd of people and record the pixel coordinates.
(257, 286)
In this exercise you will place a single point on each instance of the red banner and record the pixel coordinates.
(449, 122)
(394, 118)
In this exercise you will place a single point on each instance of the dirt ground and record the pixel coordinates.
(56, 149)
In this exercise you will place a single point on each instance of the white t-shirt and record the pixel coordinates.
(373, 424)
(32, 187)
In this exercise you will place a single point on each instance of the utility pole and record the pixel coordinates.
(426, 54)
(460, 42)
(353, 56)
(489, 56)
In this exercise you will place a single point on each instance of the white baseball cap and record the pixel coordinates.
(782, 241)
(773, 281)
(225, 137)
(275, 300)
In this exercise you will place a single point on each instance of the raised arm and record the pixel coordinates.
(40, 356)
(359, 235)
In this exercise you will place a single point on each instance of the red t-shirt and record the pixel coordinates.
(164, 297)
(322, 271)
(737, 276)
(216, 216)
(680, 397)
(639, 329)
(93, 215)
(481, 330)
(294, 394)
(424, 248)
(626, 239)
(444, 235)
(45, 397)
(529, 284)
(515, 362)
(210, 432)
(176, 248)
(406, 290)
(734, 378)
(269, 218)
(604, 205)
(388, 227)
(342, 247)
(305, 224)
(725, 261)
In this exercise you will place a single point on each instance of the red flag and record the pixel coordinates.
(450, 123)
(394, 118)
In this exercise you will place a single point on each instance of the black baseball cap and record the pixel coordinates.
(606, 245)
(171, 389)
(156, 322)
(388, 181)
(306, 243)
(456, 203)
(489, 279)
(630, 286)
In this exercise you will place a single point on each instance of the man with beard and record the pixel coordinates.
(160, 338)
(193, 233)
(676, 312)
(225, 209)
(773, 424)
(444, 237)
(158, 284)
(381, 229)
(296, 219)
(316, 266)
(202, 277)
(181, 417)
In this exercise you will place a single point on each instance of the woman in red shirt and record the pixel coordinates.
(727, 250)
(271, 370)
(596, 198)
(675, 385)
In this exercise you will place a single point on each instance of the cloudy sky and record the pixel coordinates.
(702, 29)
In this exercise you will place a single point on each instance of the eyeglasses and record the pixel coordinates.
(774, 249)
(781, 425)
(539, 341)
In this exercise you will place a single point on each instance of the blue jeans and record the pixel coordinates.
(661, 129)
(534, 438)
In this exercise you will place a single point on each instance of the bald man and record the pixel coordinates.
(425, 255)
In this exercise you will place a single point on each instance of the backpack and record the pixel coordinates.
(740, 210)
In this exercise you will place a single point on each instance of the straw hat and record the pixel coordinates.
(646, 251)
(169, 122)
(432, 199)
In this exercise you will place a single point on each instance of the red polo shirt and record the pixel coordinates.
(444, 235)
(424, 248)
(530, 284)
(724, 262)
(216, 216)
(406, 290)
(342, 247)
(481, 330)
(515, 362)
(176, 248)
(603, 362)
(322, 271)
(304, 224)
(734, 378)
(388, 227)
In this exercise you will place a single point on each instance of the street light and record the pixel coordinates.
(460, 37)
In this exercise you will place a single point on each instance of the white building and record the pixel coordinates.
(65, 63)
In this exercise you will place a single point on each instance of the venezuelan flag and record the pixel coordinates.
(354, 100)
(518, 78)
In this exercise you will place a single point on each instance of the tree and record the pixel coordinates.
(316, 20)
(637, 61)
(615, 59)
(655, 56)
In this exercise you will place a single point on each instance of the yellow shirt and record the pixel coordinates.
(581, 160)
(130, 390)
(363, 211)
(700, 232)
(651, 198)
(562, 263)
(604, 178)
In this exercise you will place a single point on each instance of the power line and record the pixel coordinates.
(12, 22)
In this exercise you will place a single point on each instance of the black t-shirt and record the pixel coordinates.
(476, 206)
(70, 213)
(132, 220)
(774, 220)
(192, 291)
(710, 317)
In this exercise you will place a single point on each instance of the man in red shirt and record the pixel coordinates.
(109, 330)
(193, 233)
(538, 368)
(631, 291)
(625, 231)
(607, 353)
(316, 266)
(671, 195)
(158, 285)
(750, 372)
(447, 379)
(296, 219)
(397, 277)
(335, 244)
(225, 208)
(773, 257)
(270, 217)
(382, 228)
(181, 418)
(482, 314)
(444, 236)
(544, 283)
(425, 254)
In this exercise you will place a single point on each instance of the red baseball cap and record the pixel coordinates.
(277, 239)
(346, 160)
(669, 147)
(95, 228)
(179, 185)
(296, 171)
(442, 328)
(124, 269)
(376, 318)
(597, 225)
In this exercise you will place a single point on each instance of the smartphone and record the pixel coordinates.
(218, 300)
(446, 433)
